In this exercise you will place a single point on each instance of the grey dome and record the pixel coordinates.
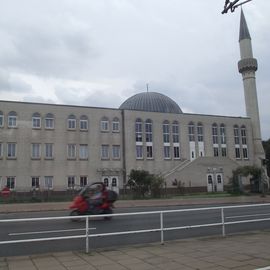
(151, 102)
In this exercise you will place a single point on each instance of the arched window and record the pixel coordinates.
(215, 133)
(49, 121)
(12, 119)
(104, 124)
(236, 134)
(138, 130)
(106, 181)
(115, 124)
(36, 120)
(175, 132)
(148, 131)
(83, 122)
(200, 132)
(219, 179)
(222, 132)
(191, 132)
(166, 131)
(210, 180)
(243, 134)
(71, 121)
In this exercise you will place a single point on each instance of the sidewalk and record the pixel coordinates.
(181, 201)
(245, 251)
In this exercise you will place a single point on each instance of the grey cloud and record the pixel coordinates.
(10, 83)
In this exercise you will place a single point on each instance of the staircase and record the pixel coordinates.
(179, 167)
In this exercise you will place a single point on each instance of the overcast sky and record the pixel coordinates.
(100, 52)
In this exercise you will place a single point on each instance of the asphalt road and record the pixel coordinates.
(57, 228)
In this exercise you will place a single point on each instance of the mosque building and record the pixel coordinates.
(50, 146)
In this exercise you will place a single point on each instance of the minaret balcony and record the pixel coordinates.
(247, 64)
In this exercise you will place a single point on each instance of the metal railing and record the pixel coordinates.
(160, 229)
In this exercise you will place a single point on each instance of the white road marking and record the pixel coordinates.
(43, 232)
(243, 216)
(264, 268)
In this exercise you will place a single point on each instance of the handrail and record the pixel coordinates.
(161, 229)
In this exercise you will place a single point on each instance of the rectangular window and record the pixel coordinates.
(1, 120)
(71, 181)
(71, 151)
(139, 152)
(104, 151)
(167, 154)
(104, 125)
(149, 152)
(49, 123)
(83, 124)
(1, 150)
(116, 151)
(83, 151)
(36, 122)
(12, 121)
(11, 182)
(115, 126)
(49, 150)
(216, 152)
(224, 151)
(35, 150)
(176, 152)
(11, 150)
(237, 153)
(35, 182)
(245, 153)
(48, 182)
(71, 123)
(83, 181)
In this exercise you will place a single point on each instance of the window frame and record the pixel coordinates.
(35, 150)
(11, 182)
(36, 121)
(12, 155)
(71, 122)
(49, 148)
(12, 119)
(116, 152)
(49, 118)
(83, 152)
(71, 149)
(105, 152)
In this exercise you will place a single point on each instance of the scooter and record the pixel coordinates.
(94, 199)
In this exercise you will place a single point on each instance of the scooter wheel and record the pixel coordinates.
(74, 213)
(108, 211)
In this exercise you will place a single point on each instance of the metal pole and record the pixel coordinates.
(87, 235)
(161, 229)
(223, 223)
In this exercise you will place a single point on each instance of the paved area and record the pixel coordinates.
(51, 206)
(246, 251)
(242, 251)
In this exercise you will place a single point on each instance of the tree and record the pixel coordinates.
(266, 146)
(245, 171)
(142, 182)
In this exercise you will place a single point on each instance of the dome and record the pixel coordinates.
(151, 102)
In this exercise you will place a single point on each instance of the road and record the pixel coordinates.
(57, 228)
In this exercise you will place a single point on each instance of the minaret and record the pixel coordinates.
(247, 66)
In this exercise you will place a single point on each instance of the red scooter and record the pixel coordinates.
(94, 199)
